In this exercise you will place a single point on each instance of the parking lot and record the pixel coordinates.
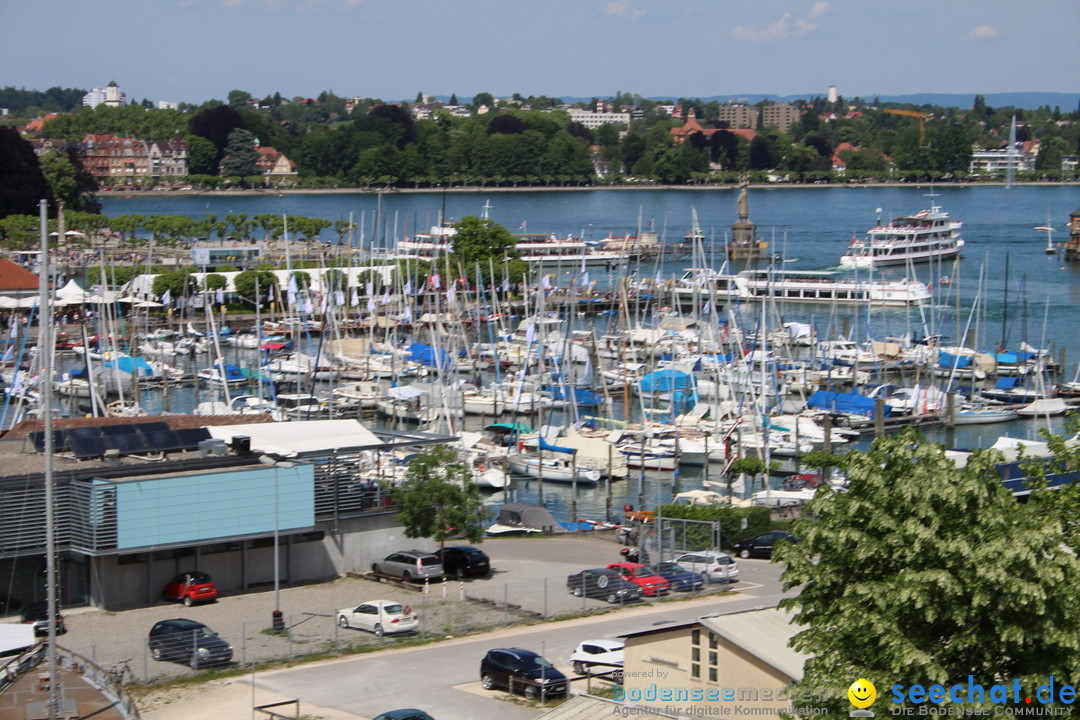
(528, 583)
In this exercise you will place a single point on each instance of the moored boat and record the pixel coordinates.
(926, 235)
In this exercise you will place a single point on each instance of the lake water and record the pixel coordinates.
(809, 226)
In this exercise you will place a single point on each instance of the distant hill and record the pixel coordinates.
(1068, 102)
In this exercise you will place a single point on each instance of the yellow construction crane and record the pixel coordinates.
(923, 117)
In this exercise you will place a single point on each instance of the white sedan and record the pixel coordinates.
(605, 653)
(380, 617)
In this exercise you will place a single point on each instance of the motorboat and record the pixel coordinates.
(223, 374)
(524, 519)
(554, 469)
(365, 393)
(926, 235)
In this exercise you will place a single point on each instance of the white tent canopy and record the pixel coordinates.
(289, 439)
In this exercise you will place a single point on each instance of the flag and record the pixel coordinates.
(583, 262)
(386, 297)
(270, 296)
(371, 306)
(166, 297)
(369, 289)
(406, 315)
(293, 287)
(530, 335)
(220, 296)
(585, 277)
(659, 278)
(449, 294)
(547, 282)
(506, 285)
(524, 226)
(308, 307)
(13, 332)
(707, 309)
(355, 297)
(436, 282)
(324, 304)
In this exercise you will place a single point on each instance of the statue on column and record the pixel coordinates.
(744, 204)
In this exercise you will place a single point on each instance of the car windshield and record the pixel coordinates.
(642, 572)
(671, 567)
(535, 662)
(392, 609)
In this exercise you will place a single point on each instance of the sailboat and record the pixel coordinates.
(1049, 230)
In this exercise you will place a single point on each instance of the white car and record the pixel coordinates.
(710, 565)
(605, 653)
(380, 617)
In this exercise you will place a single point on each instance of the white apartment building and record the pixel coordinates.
(594, 120)
(109, 95)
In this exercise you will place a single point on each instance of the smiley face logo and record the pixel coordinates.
(862, 693)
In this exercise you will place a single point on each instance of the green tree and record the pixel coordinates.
(438, 499)
(241, 157)
(924, 573)
(477, 240)
(179, 283)
(70, 182)
(238, 99)
(202, 156)
(22, 183)
(245, 284)
(213, 281)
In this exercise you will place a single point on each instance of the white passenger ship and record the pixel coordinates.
(924, 236)
(701, 285)
(535, 248)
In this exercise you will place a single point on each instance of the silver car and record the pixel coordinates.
(710, 565)
(410, 565)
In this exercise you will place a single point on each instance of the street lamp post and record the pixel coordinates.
(278, 620)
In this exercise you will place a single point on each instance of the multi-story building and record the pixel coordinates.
(109, 95)
(739, 116)
(998, 160)
(779, 115)
(131, 161)
(594, 120)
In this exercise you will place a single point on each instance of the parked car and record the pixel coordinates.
(711, 566)
(643, 576)
(464, 561)
(603, 584)
(521, 671)
(761, 546)
(189, 642)
(379, 617)
(606, 654)
(678, 577)
(410, 565)
(190, 588)
(404, 714)
(37, 614)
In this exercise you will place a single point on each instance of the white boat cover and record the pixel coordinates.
(289, 439)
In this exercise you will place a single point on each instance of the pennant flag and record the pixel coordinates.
(506, 285)
(547, 282)
(524, 226)
(371, 306)
(449, 294)
(293, 287)
(707, 309)
(408, 287)
(659, 278)
(270, 296)
(14, 331)
(582, 263)
(324, 304)
(585, 277)
(386, 297)
(166, 297)
(308, 307)
(355, 297)
(436, 281)
(369, 289)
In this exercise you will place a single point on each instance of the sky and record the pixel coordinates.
(196, 50)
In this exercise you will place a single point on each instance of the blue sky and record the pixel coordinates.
(194, 50)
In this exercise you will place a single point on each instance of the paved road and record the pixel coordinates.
(443, 678)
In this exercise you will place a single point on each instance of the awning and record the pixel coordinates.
(289, 439)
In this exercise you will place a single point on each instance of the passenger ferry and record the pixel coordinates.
(921, 237)
(699, 285)
(536, 248)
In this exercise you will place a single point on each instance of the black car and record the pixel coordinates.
(762, 545)
(37, 614)
(521, 671)
(464, 561)
(603, 584)
(189, 642)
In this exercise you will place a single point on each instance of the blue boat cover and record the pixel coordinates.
(425, 355)
(1007, 383)
(948, 360)
(545, 445)
(849, 403)
(666, 381)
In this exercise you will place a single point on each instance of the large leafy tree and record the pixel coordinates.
(22, 183)
(70, 181)
(924, 573)
(241, 157)
(438, 499)
(477, 240)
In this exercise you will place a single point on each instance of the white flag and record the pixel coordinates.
(408, 287)
(659, 278)
(386, 297)
(585, 279)
(355, 298)
(14, 331)
(436, 281)
(293, 287)
(707, 309)
(407, 314)
(506, 285)
(582, 263)
(166, 297)
(339, 297)
(220, 296)
(371, 306)
(530, 335)
(547, 282)
(370, 289)
(449, 294)
(325, 302)
(308, 307)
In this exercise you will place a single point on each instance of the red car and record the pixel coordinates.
(190, 588)
(643, 576)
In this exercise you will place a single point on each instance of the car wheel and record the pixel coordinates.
(188, 602)
(343, 621)
(486, 681)
(377, 630)
(744, 553)
(576, 592)
(406, 576)
(530, 692)
(155, 652)
(580, 668)
(375, 568)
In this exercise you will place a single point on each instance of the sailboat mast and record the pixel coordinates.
(45, 347)
(1005, 306)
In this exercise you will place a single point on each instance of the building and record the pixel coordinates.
(691, 126)
(16, 281)
(780, 115)
(593, 120)
(739, 116)
(139, 500)
(130, 161)
(738, 658)
(997, 161)
(109, 95)
(167, 105)
(274, 164)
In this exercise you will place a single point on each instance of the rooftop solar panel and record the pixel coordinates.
(84, 447)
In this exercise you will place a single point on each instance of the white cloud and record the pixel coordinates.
(784, 27)
(983, 32)
(622, 9)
